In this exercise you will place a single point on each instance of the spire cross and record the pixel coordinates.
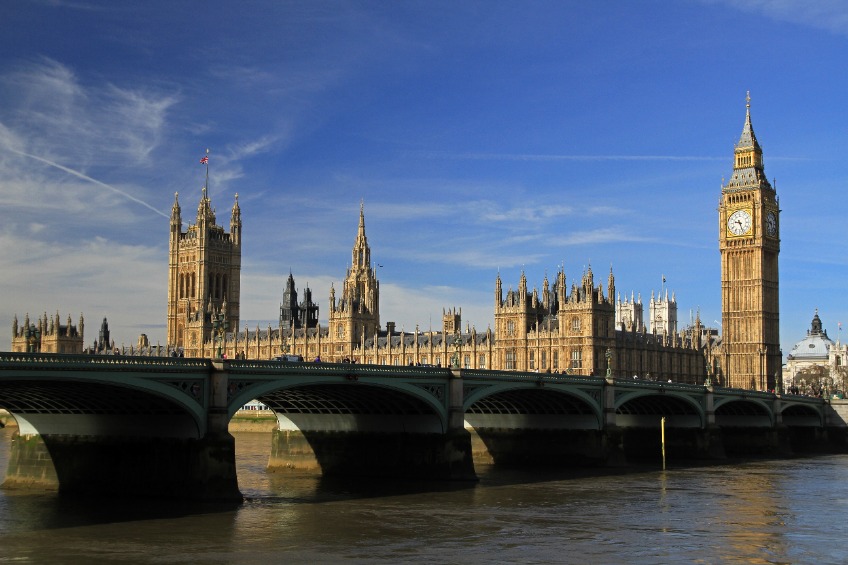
(206, 162)
(748, 99)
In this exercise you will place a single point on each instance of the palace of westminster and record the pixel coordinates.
(579, 327)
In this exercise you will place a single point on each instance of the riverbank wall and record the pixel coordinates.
(253, 421)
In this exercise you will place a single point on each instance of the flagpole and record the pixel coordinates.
(207, 172)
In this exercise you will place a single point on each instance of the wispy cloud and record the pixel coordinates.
(82, 266)
(829, 15)
(602, 235)
(55, 115)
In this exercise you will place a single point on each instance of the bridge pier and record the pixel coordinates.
(121, 466)
(30, 465)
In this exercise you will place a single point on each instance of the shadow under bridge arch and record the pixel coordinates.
(534, 426)
(641, 410)
(532, 408)
(358, 407)
(366, 430)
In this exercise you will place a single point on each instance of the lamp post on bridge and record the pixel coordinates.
(457, 343)
(33, 338)
(708, 381)
(220, 325)
(608, 355)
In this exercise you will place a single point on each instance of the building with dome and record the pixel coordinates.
(816, 363)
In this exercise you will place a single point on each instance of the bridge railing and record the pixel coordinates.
(478, 374)
(244, 366)
(104, 362)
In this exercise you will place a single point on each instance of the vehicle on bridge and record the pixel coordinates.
(289, 358)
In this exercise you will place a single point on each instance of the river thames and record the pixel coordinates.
(784, 511)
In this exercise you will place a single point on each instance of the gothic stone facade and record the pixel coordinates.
(47, 335)
(204, 276)
(560, 329)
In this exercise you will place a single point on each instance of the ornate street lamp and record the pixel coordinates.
(608, 355)
(33, 339)
(457, 343)
(708, 381)
(220, 325)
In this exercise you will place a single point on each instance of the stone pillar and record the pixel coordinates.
(782, 434)
(612, 437)
(608, 403)
(709, 406)
(776, 408)
(30, 465)
(216, 463)
(456, 412)
(711, 442)
(216, 420)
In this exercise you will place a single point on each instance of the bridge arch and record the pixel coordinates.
(318, 403)
(90, 405)
(529, 406)
(798, 414)
(744, 411)
(644, 408)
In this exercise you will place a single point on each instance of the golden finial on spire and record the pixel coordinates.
(748, 99)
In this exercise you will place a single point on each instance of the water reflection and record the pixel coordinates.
(765, 512)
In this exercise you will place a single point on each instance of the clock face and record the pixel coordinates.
(771, 223)
(739, 222)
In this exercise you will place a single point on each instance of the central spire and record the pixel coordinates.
(361, 252)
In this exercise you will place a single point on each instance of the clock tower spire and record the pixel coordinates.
(749, 246)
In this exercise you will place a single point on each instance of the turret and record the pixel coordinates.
(176, 219)
(611, 286)
(522, 288)
(235, 223)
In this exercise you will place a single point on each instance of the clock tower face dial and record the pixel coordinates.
(771, 224)
(739, 222)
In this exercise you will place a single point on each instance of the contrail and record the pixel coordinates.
(532, 157)
(89, 179)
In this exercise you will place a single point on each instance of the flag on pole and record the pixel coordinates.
(204, 160)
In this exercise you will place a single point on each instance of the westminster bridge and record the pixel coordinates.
(158, 426)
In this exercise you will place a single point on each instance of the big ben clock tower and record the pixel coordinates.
(749, 242)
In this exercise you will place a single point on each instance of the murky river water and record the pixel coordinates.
(792, 511)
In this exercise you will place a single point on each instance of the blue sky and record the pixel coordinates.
(482, 137)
